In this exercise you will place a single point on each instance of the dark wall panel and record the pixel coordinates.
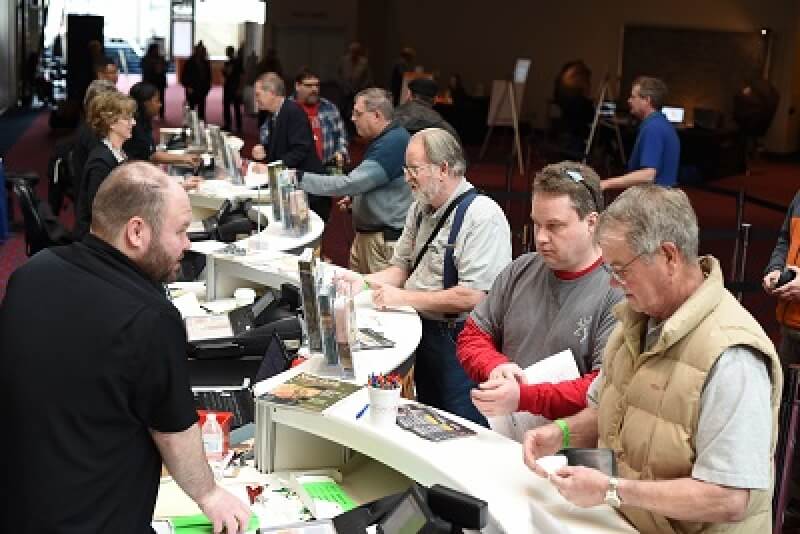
(703, 68)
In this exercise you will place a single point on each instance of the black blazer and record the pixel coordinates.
(141, 145)
(290, 139)
(85, 141)
(100, 163)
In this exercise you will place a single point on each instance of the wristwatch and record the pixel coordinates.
(612, 496)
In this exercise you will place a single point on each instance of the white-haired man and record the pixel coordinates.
(454, 243)
(688, 395)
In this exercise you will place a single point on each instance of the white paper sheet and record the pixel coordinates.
(256, 179)
(188, 305)
(206, 247)
(556, 368)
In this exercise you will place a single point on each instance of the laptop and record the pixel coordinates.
(608, 109)
(675, 115)
(238, 399)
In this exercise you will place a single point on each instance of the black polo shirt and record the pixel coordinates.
(92, 356)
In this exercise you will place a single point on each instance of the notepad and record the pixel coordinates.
(322, 495)
(330, 491)
(200, 524)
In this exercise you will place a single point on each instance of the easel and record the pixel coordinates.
(605, 92)
(507, 95)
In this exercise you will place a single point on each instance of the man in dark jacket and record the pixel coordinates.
(196, 79)
(416, 112)
(286, 135)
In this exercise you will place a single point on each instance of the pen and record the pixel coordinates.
(362, 411)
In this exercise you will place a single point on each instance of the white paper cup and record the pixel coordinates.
(383, 406)
(244, 296)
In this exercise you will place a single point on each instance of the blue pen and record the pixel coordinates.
(362, 411)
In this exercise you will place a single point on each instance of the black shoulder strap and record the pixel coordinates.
(453, 205)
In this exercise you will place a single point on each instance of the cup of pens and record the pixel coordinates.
(384, 398)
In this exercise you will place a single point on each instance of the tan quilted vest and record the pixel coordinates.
(649, 405)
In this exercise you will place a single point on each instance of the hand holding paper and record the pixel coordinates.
(496, 397)
(509, 370)
(385, 296)
(225, 511)
(556, 368)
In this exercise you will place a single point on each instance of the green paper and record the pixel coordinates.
(329, 491)
(200, 524)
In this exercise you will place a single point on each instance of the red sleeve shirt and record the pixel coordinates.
(557, 400)
(478, 354)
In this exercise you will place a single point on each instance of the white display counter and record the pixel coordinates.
(488, 465)
(271, 238)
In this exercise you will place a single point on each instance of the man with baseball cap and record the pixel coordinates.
(416, 112)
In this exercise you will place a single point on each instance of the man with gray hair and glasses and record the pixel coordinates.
(454, 243)
(375, 189)
(554, 299)
(687, 399)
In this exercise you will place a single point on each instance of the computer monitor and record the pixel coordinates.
(215, 137)
(608, 109)
(673, 114)
(198, 131)
(224, 154)
(521, 68)
(233, 164)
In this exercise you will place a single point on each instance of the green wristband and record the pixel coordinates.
(366, 284)
(560, 423)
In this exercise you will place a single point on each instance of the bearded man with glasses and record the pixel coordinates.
(453, 245)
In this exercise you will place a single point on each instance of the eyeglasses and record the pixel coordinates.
(309, 84)
(620, 274)
(413, 170)
(577, 177)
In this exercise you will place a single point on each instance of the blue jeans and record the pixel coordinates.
(439, 379)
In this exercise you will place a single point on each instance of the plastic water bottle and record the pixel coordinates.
(213, 438)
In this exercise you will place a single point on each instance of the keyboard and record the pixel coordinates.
(237, 401)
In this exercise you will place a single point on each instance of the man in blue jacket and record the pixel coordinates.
(657, 151)
(376, 189)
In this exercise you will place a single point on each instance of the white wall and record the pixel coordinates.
(480, 39)
(8, 62)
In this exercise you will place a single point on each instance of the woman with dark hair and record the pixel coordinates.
(141, 145)
(154, 71)
(571, 94)
(110, 116)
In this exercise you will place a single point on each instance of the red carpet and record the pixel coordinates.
(772, 181)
